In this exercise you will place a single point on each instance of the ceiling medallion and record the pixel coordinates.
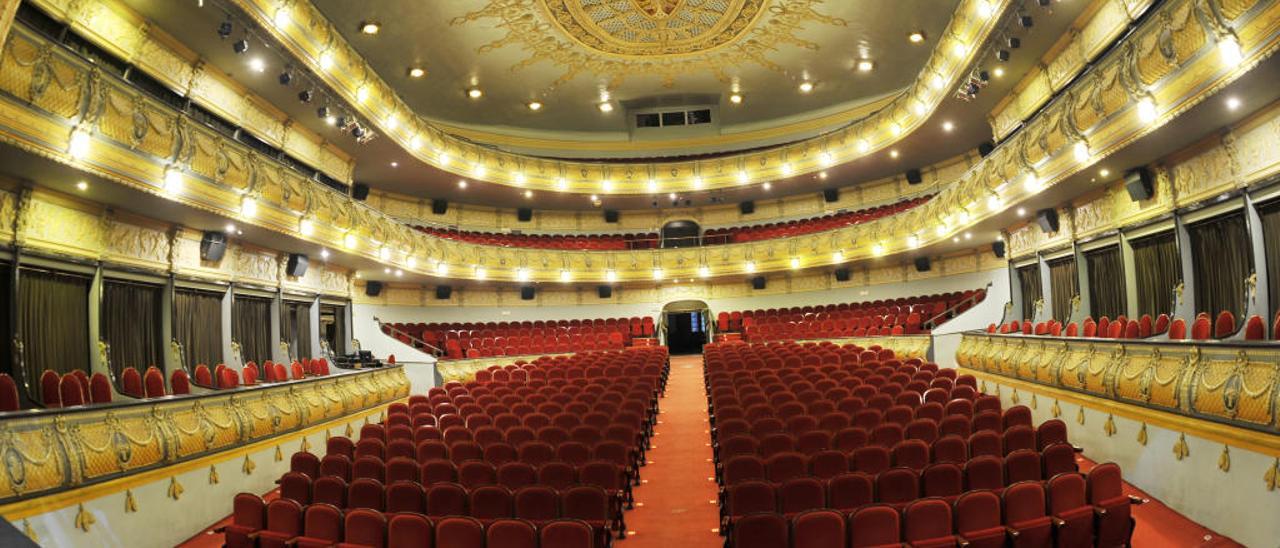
(616, 39)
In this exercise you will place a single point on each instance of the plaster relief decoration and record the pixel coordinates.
(617, 39)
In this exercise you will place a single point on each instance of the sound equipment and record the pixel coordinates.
(297, 266)
(524, 214)
(985, 148)
(360, 192)
(372, 288)
(1048, 219)
(604, 291)
(443, 292)
(831, 195)
(1140, 183)
(922, 264)
(610, 215)
(748, 207)
(842, 274)
(914, 177)
(439, 207)
(758, 282)
(526, 292)
(213, 245)
(998, 249)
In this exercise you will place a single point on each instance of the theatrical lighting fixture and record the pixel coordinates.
(324, 112)
(286, 77)
(370, 27)
(240, 46)
(1003, 55)
(866, 65)
(257, 64)
(417, 72)
(358, 131)
(1014, 42)
(306, 95)
(475, 93)
(1229, 49)
(605, 107)
(736, 98)
(225, 28)
(806, 86)
(534, 105)
(916, 37)
(1026, 21)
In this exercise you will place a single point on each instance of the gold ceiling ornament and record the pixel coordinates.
(613, 40)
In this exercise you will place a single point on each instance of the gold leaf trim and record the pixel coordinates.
(84, 519)
(1056, 409)
(1014, 397)
(1080, 415)
(1272, 475)
(30, 531)
(213, 474)
(248, 466)
(279, 454)
(175, 489)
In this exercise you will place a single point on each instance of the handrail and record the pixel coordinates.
(435, 350)
(932, 322)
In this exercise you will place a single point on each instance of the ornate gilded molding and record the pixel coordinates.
(316, 43)
(1231, 384)
(51, 451)
(224, 177)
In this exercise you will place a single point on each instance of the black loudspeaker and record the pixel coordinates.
(360, 192)
(610, 215)
(443, 292)
(922, 264)
(1140, 183)
(842, 274)
(748, 207)
(297, 266)
(758, 282)
(526, 293)
(985, 148)
(524, 214)
(372, 288)
(831, 194)
(914, 177)
(213, 245)
(1048, 219)
(439, 207)
(604, 291)
(998, 249)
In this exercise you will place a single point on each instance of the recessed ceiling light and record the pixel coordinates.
(672, 196)
(822, 175)
(417, 72)
(768, 185)
(534, 105)
(386, 270)
(462, 184)
(865, 65)
(893, 153)
(736, 98)
(1022, 212)
(605, 106)
(475, 93)
(395, 164)
(370, 27)
(82, 186)
(1233, 103)
(998, 72)
(1105, 172)
(231, 228)
(257, 64)
(968, 235)
(324, 253)
(806, 86)
(955, 240)
(948, 126)
(528, 194)
(916, 37)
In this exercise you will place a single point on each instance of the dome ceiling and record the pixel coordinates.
(570, 55)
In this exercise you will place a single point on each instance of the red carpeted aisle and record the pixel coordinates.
(678, 494)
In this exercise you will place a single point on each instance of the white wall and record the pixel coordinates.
(946, 339)
(418, 366)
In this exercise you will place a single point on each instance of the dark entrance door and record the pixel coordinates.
(685, 333)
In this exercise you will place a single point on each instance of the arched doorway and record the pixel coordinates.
(681, 234)
(686, 326)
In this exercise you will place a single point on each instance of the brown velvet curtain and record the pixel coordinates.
(1029, 282)
(197, 325)
(1063, 286)
(251, 327)
(6, 326)
(295, 327)
(53, 319)
(1106, 282)
(1157, 270)
(1270, 214)
(1222, 257)
(130, 319)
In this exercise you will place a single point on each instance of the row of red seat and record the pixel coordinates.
(925, 305)
(285, 522)
(806, 226)
(907, 318)
(514, 339)
(1202, 328)
(1068, 511)
(593, 242)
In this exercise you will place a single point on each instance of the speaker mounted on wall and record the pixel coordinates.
(922, 264)
(842, 274)
(985, 148)
(610, 215)
(526, 292)
(831, 195)
(524, 214)
(439, 206)
(213, 245)
(360, 192)
(758, 282)
(443, 292)
(914, 177)
(1048, 219)
(1140, 183)
(373, 288)
(604, 291)
(998, 248)
(297, 265)
(748, 207)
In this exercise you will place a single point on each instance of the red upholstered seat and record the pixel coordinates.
(100, 388)
(153, 383)
(131, 383)
(70, 391)
(9, 400)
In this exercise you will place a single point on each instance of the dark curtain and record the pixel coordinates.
(1270, 214)
(197, 325)
(53, 318)
(332, 328)
(251, 327)
(1222, 257)
(1063, 286)
(6, 329)
(295, 328)
(1157, 270)
(131, 325)
(1029, 281)
(1106, 282)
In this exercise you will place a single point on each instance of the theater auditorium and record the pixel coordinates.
(639, 273)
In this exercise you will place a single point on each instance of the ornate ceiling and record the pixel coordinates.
(566, 53)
